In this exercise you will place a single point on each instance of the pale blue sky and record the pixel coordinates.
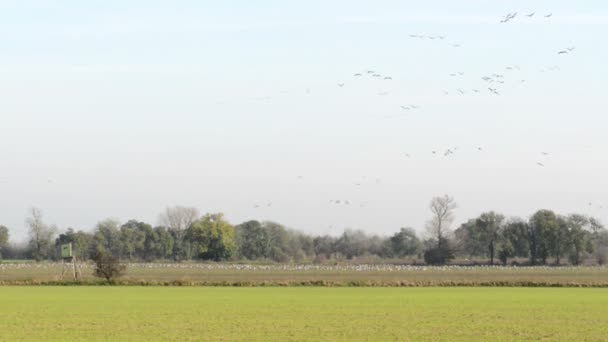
(121, 108)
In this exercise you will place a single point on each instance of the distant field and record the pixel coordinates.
(279, 314)
(373, 275)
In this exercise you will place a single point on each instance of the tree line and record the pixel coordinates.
(183, 234)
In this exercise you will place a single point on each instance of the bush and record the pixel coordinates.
(108, 266)
(438, 255)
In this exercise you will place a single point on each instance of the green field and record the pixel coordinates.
(266, 314)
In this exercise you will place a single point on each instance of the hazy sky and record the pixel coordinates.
(121, 108)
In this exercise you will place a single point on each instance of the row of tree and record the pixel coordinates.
(183, 234)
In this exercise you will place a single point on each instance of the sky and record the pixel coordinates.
(118, 109)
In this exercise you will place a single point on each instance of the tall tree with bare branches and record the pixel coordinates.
(438, 226)
(41, 235)
(177, 220)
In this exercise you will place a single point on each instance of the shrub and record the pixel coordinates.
(107, 266)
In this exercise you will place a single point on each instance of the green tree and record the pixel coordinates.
(277, 247)
(468, 238)
(177, 220)
(579, 237)
(439, 253)
(541, 235)
(490, 226)
(212, 237)
(106, 238)
(3, 239)
(560, 239)
(164, 245)
(132, 240)
(252, 240)
(516, 233)
(404, 243)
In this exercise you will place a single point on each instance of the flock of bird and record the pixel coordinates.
(511, 16)
(493, 82)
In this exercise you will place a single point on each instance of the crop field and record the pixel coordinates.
(312, 313)
(357, 275)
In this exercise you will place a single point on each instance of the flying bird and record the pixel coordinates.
(388, 78)
(549, 15)
(539, 164)
(356, 75)
(494, 91)
(530, 15)
(509, 17)
(340, 85)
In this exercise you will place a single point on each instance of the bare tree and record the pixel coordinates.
(442, 209)
(41, 235)
(177, 219)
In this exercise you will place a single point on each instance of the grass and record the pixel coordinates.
(298, 314)
(373, 275)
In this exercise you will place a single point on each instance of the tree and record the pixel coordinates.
(505, 251)
(468, 238)
(440, 254)
(404, 243)
(579, 236)
(252, 240)
(277, 247)
(323, 247)
(177, 220)
(106, 238)
(442, 209)
(490, 226)
(541, 235)
(41, 235)
(352, 243)
(3, 239)
(132, 239)
(516, 233)
(107, 266)
(213, 237)
(164, 245)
